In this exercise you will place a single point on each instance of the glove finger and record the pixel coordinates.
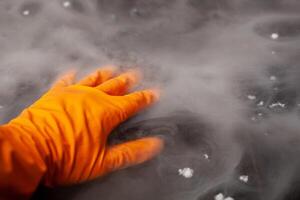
(131, 153)
(65, 80)
(135, 102)
(121, 84)
(98, 77)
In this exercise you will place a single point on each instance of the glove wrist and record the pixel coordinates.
(22, 165)
(22, 137)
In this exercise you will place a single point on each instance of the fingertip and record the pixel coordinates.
(149, 95)
(138, 101)
(98, 76)
(106, 72)
(146, 148)
(65, 79)
(132, 77)
(109, 68)
(156, 93)
(132, 152)
(70, 73)
(155, 144)
(120, 84)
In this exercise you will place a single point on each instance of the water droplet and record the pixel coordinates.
(274, 36)
(244, 178)
(29, 9)
(261, 103)
(186, 172)
(273, 78)
(66, 4)
(278, 104)
(275, 88)
(253, 118)
(251, 97)
(25, 12)
(206, 156)
(134, 12)
(219, 196)
(257, 117)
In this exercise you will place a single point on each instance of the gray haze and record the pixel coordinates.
(207, 56)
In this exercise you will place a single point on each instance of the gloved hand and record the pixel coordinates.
(61, 138)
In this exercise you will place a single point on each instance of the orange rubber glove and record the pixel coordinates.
(61, 138)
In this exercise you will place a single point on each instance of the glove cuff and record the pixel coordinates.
(22, 164)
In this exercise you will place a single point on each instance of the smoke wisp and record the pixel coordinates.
(232, 63)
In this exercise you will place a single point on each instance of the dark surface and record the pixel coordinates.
(269, 150)
(187, 139)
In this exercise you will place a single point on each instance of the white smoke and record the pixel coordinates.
(203, 54)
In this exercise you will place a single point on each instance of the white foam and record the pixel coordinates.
(244, 178)
(186, 172)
